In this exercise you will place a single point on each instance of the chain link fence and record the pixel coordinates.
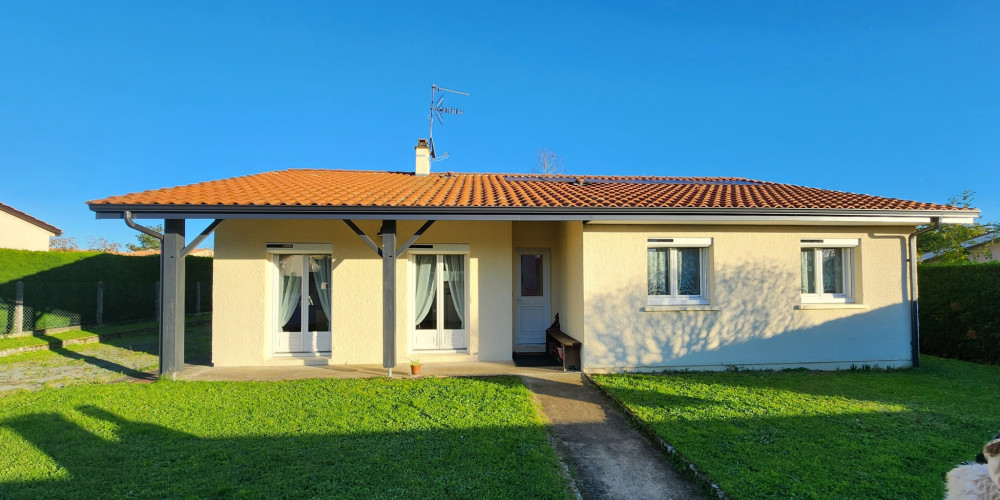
(26, 307)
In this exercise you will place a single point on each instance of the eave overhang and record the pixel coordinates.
(593, 215)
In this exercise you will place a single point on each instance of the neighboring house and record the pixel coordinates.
(21, 231)
(649, 273)
(985, 248)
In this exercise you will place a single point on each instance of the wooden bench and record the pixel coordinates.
(564, 348)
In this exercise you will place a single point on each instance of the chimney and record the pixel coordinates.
(423, 157)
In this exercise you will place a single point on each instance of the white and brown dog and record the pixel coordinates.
(977, 480)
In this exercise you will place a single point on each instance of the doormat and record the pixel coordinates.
(535, 359)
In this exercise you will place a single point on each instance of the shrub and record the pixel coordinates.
(958, 316)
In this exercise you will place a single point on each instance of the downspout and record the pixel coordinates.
(130, 223)
(914, 302)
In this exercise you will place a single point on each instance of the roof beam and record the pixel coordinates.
(364, 237)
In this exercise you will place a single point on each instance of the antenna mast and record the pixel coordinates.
(437, 109)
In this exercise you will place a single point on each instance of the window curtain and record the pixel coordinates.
(291, 290)
(322, 269)
(689, 274)
(426, 287)
(456, 282)
(657, 271)
(808, 279)
(833, 270)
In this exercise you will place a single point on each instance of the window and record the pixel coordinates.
(440, 312)
(827, 270)
(677, 271)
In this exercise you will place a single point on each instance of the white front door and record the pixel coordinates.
(302, 304)
(532, 296)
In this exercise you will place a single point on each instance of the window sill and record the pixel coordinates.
(831, 305)
(677, 308)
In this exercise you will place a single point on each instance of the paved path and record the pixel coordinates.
(608, 457)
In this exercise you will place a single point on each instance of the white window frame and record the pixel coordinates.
(703, 244)
(274, 251)
(437, 250)
(818, 245)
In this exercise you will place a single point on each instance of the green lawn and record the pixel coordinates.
(147, 327)
(362, 438)
(800, 434)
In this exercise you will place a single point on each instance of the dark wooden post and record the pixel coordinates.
(172, 297)
(100, 304)
(389, 295)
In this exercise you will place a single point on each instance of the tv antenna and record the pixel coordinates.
(437, 109)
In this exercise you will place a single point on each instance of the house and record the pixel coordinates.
(649, 273)
(983, 248)
(21, 231)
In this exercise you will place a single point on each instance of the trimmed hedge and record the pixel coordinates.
(960, 311)
(60, 288)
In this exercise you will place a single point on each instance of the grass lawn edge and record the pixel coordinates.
(677, 458)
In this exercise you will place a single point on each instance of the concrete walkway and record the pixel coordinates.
(608, 457)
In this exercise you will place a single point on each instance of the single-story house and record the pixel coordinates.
(648, 273)
(21, 231)
(983, 248)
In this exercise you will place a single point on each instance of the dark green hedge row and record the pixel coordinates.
(60, 287)
(960, 311)
(78, 267)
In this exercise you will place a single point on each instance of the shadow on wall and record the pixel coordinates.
(756, 324)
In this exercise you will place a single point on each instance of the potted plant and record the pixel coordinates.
(415, 367)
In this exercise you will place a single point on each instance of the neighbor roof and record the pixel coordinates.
(27, 218)
(353, 188)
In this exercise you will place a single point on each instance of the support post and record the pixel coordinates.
(389, 294)
(100, 304)
(19, 307)
(172, 297)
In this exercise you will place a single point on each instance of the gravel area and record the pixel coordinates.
(80, 364)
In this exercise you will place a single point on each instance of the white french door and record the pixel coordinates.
(302, 304)
(440, 310)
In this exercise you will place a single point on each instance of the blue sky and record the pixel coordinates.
(898, 99)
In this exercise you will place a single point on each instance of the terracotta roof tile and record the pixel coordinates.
(352, 188)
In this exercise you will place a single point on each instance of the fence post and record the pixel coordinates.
(197, 298)
(157, 301)
(100, 304)
(19, 307)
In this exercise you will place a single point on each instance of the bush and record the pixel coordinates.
(60, 288)
(958, 316)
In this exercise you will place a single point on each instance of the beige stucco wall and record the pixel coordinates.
(22, 235)
(243, 290)
(754, 286)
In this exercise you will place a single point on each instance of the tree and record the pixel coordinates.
(547, 162)
(102, 245)
(146, 242)
(60, 244)
(947, 239)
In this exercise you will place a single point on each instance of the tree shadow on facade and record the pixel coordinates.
(755, 324)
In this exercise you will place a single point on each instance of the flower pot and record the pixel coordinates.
(415, 369)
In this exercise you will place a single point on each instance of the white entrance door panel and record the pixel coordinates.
(532, 296)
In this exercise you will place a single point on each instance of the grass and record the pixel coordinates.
(361, 438)
(97, 362)
(57, 338)
(800, 434)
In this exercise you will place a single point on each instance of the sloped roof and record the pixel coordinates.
(27, 218)
(353, 188)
